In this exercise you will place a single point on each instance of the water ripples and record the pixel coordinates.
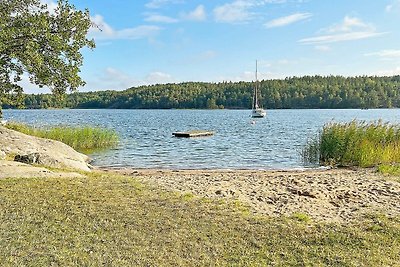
(146, 141)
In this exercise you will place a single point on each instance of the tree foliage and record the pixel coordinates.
(44, 44)
(295, 92)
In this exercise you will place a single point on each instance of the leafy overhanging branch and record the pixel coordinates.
(43, 44)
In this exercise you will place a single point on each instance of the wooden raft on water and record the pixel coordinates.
(196, 133)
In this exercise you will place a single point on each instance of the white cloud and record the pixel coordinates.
(247, 76)
(322, 48)
(241, 11)
(394, 6)
(103, 31)
(30, 88)
(326, 39)
(275, 69)
(386, 54)
(111, 79)
(139, 32)
(349, 24)
(237, 11)
(159, 3)
(158, 78)
(101, 26)
(160, 18)
(198, 14)
(283, 21)
(115, 79)
(390, 72)
(350, 29)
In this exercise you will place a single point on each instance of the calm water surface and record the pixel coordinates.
(146, 137)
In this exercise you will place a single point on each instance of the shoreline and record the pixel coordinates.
(127, 167)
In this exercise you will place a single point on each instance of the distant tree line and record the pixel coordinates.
(296, 92)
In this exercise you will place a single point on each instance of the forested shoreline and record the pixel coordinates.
(297, 92)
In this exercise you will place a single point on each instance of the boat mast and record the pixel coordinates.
(255, 104)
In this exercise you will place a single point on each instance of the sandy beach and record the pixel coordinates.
(336, 195)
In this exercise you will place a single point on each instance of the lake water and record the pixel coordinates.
(146, 139)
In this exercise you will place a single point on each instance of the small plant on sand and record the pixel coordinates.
(355, 144)
(301, 217)
(80, 138)
(393, 170)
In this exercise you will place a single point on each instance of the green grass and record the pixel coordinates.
(392, 170)
(80, 138)
(356, 143)
(108, 220)
(301, 217)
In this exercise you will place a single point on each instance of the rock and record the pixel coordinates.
(303, 192)
(2, 155)
(219, 192)
(12, 169)
(261, 198)
(32, 158)
(30, 149)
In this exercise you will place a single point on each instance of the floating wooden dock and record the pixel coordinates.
(196, 133)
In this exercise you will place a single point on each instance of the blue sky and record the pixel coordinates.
(163, 41)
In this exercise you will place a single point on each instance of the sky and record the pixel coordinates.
(145, 42)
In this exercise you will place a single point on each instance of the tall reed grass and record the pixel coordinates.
(356, 143)
(80, 138)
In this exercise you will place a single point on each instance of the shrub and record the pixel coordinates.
(80, 138)
(354, 144)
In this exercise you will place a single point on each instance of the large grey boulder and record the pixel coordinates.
(35, 150)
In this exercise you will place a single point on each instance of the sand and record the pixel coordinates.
(336, 195)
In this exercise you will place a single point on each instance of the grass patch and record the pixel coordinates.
(301, 217)
(356, 143)
(392, 170)
(109, 220)
(80, 138)
(10, 157)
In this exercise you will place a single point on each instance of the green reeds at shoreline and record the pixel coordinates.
(356, 143)
(81, 138)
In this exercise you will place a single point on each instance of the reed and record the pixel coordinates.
(357, 143)
(80, 138)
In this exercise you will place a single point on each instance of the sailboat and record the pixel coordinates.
(257, 111)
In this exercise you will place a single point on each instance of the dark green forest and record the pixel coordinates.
(296, 92)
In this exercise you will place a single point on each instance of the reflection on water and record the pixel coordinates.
(146, 139)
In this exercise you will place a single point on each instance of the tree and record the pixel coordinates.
(44, 44)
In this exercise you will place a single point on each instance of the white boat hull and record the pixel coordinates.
(258, 113)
